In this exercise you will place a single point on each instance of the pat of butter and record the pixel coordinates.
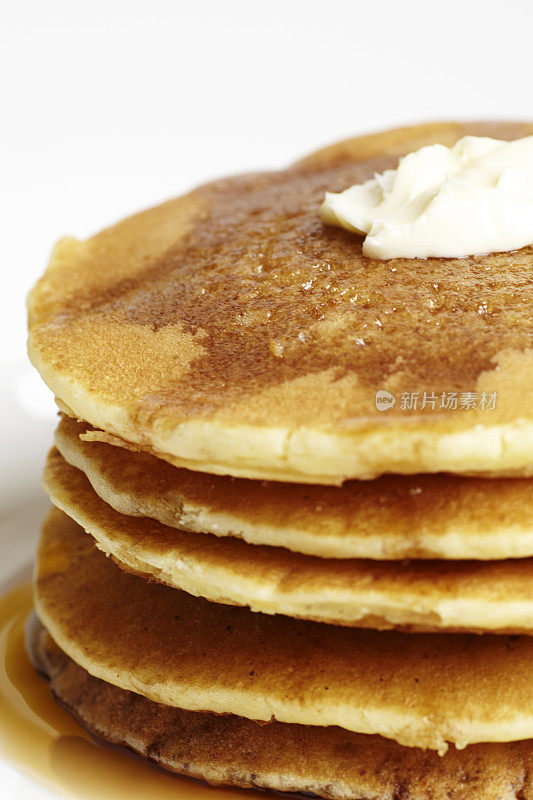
(473, 198)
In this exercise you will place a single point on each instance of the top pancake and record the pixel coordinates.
(229, 331)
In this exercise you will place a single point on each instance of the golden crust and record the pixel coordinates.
(393, 517)
(330, 762)
(466, 596)
(422, 690)
(233, 333)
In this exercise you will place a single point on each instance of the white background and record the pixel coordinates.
(108, 107)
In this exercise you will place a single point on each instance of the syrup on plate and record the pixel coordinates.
(42, 740)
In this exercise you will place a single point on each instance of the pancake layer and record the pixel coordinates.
(231, 332)
(418, 596)
(393, 517)
(422, 690)
(330, 762)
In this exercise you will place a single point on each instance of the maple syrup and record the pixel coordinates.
(42, 740)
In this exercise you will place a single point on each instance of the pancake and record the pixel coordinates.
(465, 596)
(330, 762)
(231, 332)
(393, 517)
(421, 690)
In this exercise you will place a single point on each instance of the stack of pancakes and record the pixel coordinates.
(305, 591)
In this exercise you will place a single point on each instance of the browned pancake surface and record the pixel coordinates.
(423, 595)
(393, 517)
(419, 689)
(235, 308)
(330, 762)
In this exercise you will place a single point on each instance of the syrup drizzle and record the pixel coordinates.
(43, 741)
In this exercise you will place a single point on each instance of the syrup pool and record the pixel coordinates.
(41, 739)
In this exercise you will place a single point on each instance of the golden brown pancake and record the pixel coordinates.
(231, 332)
(393, 517)
(330, 762)
(423, 690)
(466, 596)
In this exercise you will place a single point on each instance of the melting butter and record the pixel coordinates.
(473, 198)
